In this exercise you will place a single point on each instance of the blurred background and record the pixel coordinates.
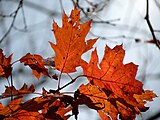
(26, 26)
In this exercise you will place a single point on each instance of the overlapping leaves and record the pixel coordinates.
(113, 84)
(112, 89)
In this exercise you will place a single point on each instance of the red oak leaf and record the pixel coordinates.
(113, 84)
(70, 42)
(112, 74)
(35, 62)
(5, 65)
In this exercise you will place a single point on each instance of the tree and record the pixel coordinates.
(112, 80)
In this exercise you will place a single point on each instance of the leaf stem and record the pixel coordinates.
(15, 62)
(72, 81)
(59, 80)
(8, 82)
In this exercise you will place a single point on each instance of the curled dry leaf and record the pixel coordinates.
(113, 84)
(56, 110)
(15, 111)
(52, 108)
(11, 91)
(70, 42)
(5, 65)
(35, 62)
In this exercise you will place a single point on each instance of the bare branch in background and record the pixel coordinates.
(14, 14)
(149, 24)
(93, 9)
(107, 22)
(24, 22)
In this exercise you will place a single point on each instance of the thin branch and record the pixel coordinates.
(156, 30)
(13, 21)
(62, 9)
(107, 22)
(72, 81)
(155, 116)
(76, 4)
(24, 19)
(149, 24)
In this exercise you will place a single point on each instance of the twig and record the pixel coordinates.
(13, 21)
(24, 19)
(62, 9)
(149, 24)
(155, 116)
(76, 4)
(107, 22)
(156, 30)
(72, 81)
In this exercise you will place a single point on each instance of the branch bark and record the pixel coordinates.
(13, 21)
(150, 25)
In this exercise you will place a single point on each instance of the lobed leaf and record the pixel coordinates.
(113, 84)
(70, 42)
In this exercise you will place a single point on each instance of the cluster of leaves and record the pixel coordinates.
(112, 89)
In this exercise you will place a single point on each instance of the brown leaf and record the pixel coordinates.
(5, 65)
(13, 106)
(12, 91)
(56, 110)
(70, 42)
(152, 41)
(35, 62)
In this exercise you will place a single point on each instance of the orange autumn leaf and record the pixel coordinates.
(96, 95)
(147, 95)
(1, 106)
(111, 74)
(15, 111)
(35, 104)
(12, 91)
(115, 82)
(70, 42)
(35, 62)
(5, 65)
(57, 110)
(111, 104)
(12, 107)
(26, 115)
